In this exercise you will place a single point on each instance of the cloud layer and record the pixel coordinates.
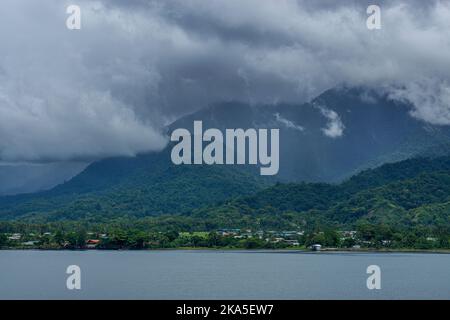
(109, 88)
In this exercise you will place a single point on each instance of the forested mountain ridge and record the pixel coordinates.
(400, 194)
(404, 204)
(150, 185)
(372, 130)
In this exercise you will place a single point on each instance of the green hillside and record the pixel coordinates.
(400, 205)
(402, 194)
(407, 194)
(147, 185)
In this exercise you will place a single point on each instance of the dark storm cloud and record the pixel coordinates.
(109, 88)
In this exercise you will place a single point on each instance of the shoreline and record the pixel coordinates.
(287, 250)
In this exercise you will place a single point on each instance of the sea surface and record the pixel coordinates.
(222, 275)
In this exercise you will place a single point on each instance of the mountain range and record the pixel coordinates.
(322, 143)
(409, 193)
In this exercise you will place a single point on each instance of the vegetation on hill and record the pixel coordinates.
(149, 185)
(405, 204)
(386, 195)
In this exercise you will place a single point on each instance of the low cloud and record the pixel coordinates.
(109, 88)
(334, 128)
(430, 99)
(288, 123)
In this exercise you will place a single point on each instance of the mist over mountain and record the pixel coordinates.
(83, 94)
(109, 88)
(27, 178)
(327, 140)
(335, 135)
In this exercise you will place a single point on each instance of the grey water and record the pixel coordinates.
(222, 275)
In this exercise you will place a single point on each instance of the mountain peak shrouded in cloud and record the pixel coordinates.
(109, 88)
(342, 131)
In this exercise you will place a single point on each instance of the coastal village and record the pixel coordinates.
(294, 239)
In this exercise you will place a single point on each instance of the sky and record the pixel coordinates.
(134, 66)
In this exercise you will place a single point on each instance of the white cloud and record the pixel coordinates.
(288, 123)
(334, 128)
(430, 99)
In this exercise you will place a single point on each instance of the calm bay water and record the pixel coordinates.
(222, 275)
